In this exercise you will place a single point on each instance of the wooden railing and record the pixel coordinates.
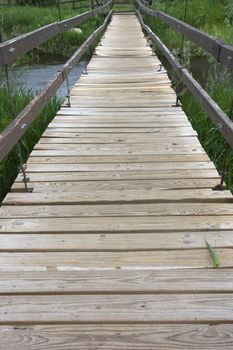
(217, 48)
(222, 52)
(16, 129)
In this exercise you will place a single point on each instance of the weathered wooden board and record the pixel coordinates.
(140, 241)
(144, 185)
(126, 260)
(117, 336)
(118, 281)
(145, 158)
(118, 210)
(124, 196)
(121, 175)
(117, 224)
(196, 308)
(163, 166)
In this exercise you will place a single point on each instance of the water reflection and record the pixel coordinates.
(35, 77)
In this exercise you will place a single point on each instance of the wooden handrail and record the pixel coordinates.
(216, 114)
(16, 129)
(222, 52)
(13, 48)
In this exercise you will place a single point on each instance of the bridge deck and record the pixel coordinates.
(109, 251)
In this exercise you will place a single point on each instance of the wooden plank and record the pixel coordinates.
(114, 337)
(35, 158)
(139, 260)
(114, 196)
(66, 123)
(117, 138)
(134, 94)
(140, 85)
(117, 149)
(122, 111)
(118, 281)
(150, 209)
(179, 132)
(120, 167)
(168, 102)
(116, 224)
(96, 88)
(136, 185)
(210, 308)
(172, 128)
(123, 175)
(140, 241)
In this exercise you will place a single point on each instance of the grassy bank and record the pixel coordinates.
(121, 6)
(17, 20)
(219, 87)
(212, 16)
(9, 167)
(218, 82)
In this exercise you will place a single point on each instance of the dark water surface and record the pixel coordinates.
(35, 77)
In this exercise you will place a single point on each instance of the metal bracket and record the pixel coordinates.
(221, 186)
(160, 67)
(68, 101)
(177, 104)
(68, 93)
(85, 70)
(25, 179)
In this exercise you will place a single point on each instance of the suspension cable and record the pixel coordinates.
(225, 165)
(63, 42)
(180, 84)
(22, 165)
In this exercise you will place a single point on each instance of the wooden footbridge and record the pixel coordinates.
(108, 251)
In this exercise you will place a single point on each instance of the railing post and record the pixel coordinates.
(59, 9)
(180, 85)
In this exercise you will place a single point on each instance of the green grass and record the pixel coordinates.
(212, 16)
(219, 82)
(123, 6)
(214, 256)
(17, 20)
(221, 91)
(9, 167)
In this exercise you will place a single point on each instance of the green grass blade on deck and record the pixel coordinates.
(215, 258)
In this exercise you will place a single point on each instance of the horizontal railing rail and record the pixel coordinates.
(49, 3)
(216, 114)
(13, 48)
(16, 129)
(222, 52)
(54, 3)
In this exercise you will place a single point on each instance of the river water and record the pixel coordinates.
(37, 76)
